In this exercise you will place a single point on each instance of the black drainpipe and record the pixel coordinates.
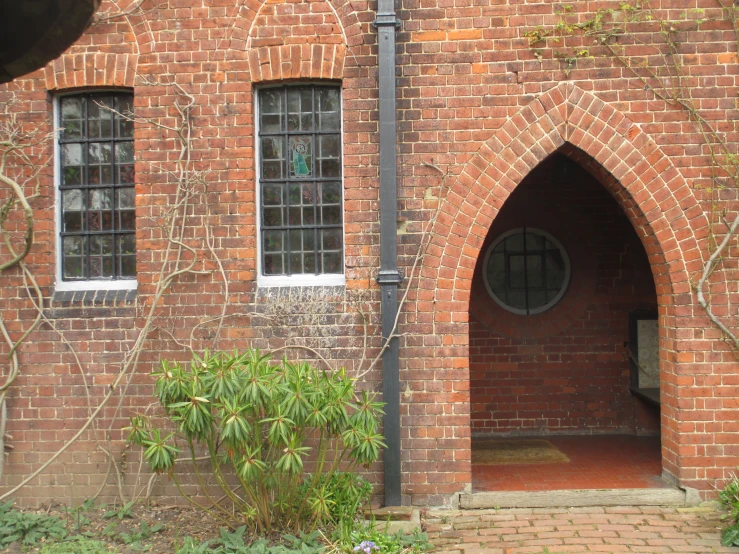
(389, 277)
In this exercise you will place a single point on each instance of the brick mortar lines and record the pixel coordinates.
(633, 529)
(457, 94)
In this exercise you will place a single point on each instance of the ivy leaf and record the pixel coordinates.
(730, 536)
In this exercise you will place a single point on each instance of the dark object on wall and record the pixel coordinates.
(389, 277)
(34, 32)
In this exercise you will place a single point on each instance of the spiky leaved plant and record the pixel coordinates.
(259, 422)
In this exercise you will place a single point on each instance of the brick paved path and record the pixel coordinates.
(561, 531)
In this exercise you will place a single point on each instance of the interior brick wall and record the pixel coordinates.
(565, 370)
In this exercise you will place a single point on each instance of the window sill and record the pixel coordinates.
(331, 280)
(92, 304)
(96, 286)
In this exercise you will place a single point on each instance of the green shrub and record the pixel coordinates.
(28, 528)
(121, 512)
(78, 545)
(349, 492)
(258, 422)
(192, 546)
(729, 498)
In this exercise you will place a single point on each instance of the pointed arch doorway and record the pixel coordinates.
(562, 297)
(648, 188)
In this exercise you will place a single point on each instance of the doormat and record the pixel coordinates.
(508, 452)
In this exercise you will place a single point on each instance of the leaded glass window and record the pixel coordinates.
(96, 165)
(301, 217)
(526, 271)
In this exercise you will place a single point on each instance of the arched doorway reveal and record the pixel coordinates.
(653, 195)
(562, 299)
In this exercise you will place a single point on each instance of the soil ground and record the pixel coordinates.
(177, 523)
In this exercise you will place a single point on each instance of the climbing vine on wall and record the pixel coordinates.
(24, 155)
(655, 50)
(189, 251)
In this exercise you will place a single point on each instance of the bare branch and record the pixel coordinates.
(102, 17)
(708, 268)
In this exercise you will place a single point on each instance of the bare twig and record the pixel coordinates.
(708, 268)
(423, 247)
(102, 17)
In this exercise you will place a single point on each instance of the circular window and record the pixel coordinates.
(526, 271)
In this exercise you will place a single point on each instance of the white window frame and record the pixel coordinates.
(90, 284)
(301, 279)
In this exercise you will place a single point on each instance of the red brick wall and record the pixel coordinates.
(477, 111)
(564, 370)
(207, 50)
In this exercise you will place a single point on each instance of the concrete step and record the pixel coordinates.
(573, 498)
(396, 518)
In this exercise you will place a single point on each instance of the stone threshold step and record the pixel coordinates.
(395, 518)
(573, 498)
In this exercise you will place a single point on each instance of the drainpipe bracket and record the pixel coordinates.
(390, 277)
(386, 19)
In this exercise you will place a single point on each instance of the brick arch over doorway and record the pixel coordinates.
(653, 194)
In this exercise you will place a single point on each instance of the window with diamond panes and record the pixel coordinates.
(98, 227)
(300, 180)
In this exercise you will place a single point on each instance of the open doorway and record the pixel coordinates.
(564, 370)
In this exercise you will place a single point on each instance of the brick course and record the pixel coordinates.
(592, 529)
(474, 101)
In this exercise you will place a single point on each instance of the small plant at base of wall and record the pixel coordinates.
(729, 497)
(370, 539)
(27, 528)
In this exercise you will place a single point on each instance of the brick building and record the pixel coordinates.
(547, 204)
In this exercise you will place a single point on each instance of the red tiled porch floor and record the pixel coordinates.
(596, 462)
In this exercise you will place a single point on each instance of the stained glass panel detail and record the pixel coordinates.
(301, 156)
